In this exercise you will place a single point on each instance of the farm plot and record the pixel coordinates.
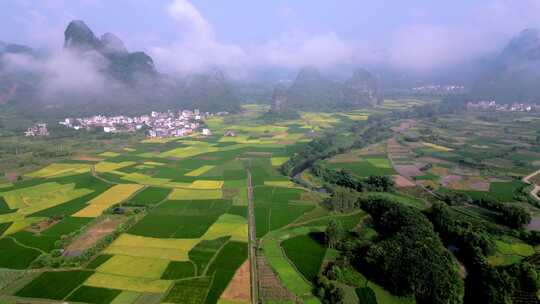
(45, 240)
(15, 256)
(148, 247)
(276, 207)
(62, 169)
(307, 264)
(149, 196)
(287, 274)
(179, 270)
(41, 286)
(42, 196)
(109, 198)
(200, 171)
(509, 251)
(134, 266)
(368, 166)
(190, 291)
(238, 290)
(94, 295)
(223, 268)
(128, 283)
(181, 219)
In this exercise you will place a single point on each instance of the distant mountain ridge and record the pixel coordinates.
(123, 65)
(312, 90)
(513, 75)
(131, 80)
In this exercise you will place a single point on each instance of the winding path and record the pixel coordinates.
(536, 188)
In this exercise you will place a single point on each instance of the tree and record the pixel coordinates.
(515, 216)
(410, 259)
(343, 199)
(334, 233)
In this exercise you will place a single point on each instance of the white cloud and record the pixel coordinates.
(62, 72)
(199, 49)
(66, 72)
(294, 50)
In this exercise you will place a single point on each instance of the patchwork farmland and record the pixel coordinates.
(158, 221)
(167, 221)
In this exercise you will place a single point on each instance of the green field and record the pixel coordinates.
(41, 286)
(191, 291)
(296, 249)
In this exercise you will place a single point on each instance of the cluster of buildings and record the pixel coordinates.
(156, 124)
(38, 130)
(492, 105)
(439, 89)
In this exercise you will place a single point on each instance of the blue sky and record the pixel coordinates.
(184, 35)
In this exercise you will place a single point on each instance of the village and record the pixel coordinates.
(155, 125)
(492, 105)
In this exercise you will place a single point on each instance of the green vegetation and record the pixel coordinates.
(149, 196)
(190, 291)
(100, 259)
(94, 295)
(204, 251)
(307, 253)
(15, 256)
(178, 270)
(41, 286)
(223, 268)
(315, 178)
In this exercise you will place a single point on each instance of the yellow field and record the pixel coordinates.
(228, 224)
(109, 154)
(147, 247)
(128, 283)
(130, 266)
(321, 120)
(126, 297)
(151, 163)
(107, 199)
(195, 194)
(437, 147)
(145, 179)
(158, 140)
(110, 166)
(54, 170)
(191, 151)
(21, 224)
(283, 184)
(356, 117)
(129, 150)
(200, 170)
(206, 184)
(278, 161)
(40, 197)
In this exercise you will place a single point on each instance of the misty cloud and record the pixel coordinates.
(199, 48)
(68, 72)
(63, 72)
(420, 42)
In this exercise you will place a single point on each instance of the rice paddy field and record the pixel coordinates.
(186, 200)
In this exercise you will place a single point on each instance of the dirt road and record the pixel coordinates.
(536, 190)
